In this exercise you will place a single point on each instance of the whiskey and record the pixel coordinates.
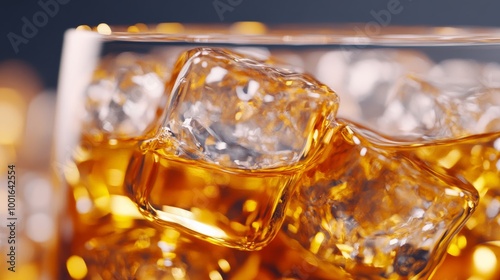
(475, 159)
(255, 148)
(111, 239)
(374, 212)
(237, 208)
(97, 204)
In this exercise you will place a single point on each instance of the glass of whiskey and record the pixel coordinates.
(212, 152)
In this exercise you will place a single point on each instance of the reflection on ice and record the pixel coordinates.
(374, 210)
(236, 134)
(238, 112)
(125, 96)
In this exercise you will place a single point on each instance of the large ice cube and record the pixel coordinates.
(239, 112)
(375, 211)
(236, 135)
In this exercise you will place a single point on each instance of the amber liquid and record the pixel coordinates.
(357, 210)
(97, 204)
(112, 240)
(475, 251)
(477, 159)
(237, 208)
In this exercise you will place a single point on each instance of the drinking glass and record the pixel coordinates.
(279, 152)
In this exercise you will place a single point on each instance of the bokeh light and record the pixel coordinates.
(485, 261)
(104, 29)
(12, 109)
(170, 27)
(248, 28)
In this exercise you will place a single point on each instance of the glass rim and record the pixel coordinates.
(256, 33)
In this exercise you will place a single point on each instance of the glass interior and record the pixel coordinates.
(419, 102)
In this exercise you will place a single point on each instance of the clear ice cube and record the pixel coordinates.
(475, 158)
(125, 96)
(373, 210)
(238, 112)
(450, 119)
(456, 74)
(236, 134)
(369, 76)
(480, 111)
(414, 108)
(419, 109)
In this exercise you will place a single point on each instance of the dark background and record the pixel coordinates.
(43, 50)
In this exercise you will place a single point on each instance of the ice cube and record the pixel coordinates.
(371, 75)
(238, 112)
(477, 159)
(331, 68)
(417, 108)
(491, 75)
(456, 74)
(376, 212)
(236, 135)
(125, 96)
(479, 112)
(458, 118)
